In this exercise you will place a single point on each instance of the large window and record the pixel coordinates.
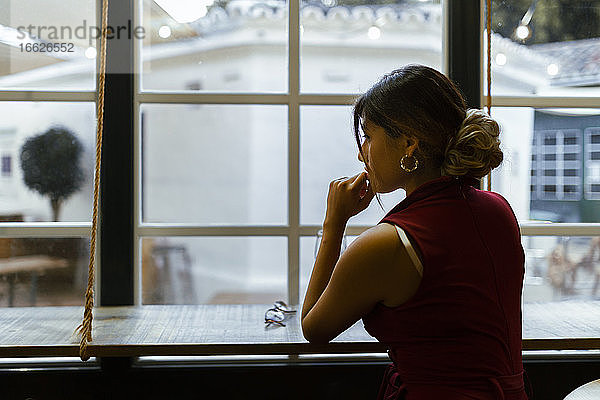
(241, 119)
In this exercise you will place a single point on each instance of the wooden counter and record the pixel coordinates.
(240, 329)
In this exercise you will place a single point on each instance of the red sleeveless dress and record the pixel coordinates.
(459, 336)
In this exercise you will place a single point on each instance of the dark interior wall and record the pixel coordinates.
(551, 380)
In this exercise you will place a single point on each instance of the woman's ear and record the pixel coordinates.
(410, 144)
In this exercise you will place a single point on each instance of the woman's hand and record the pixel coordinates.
(347, 197)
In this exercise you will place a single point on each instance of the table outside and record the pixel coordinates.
(34, 265)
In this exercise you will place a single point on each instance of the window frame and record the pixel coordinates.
(120, 272)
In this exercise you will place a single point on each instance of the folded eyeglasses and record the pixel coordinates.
(278, 313)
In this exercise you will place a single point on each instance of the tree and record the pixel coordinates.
(50, 164)
(552, 21)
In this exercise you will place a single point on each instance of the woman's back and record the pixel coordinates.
(463, 325)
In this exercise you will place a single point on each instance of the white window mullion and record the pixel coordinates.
(45, 229)
(160, 229)
(544, 102)
(137, 198)
(293, 274)
(326, 100)
(137, 160)
(244, 98)
(22, 95)
(176, 97)
(559, 229)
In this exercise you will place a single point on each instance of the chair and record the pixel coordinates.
(589, 391)
(176, 280)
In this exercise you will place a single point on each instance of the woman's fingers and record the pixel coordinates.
(358, 181)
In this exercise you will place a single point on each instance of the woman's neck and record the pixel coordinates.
(419, 179)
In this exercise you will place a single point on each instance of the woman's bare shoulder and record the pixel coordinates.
(397, 273)
(381, 238)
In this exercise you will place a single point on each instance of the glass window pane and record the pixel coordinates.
(347, 45)
(214, 164)
(43, 272)
(48, 151)
(561, 268)
(546, 48)
(308, 252)
(214, 270)
(48, 45)
(328, 151)
(215, 46)
(562, 189)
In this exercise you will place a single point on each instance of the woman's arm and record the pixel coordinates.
(327, 257)
(328, 308)
(371, 267)
(343, 201)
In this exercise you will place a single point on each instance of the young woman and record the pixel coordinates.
(439, 279)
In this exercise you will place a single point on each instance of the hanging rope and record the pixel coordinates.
(84, 330)
(489, 71)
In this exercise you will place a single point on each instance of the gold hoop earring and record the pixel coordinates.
(404, 166)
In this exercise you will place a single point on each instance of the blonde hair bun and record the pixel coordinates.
(475, 148)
